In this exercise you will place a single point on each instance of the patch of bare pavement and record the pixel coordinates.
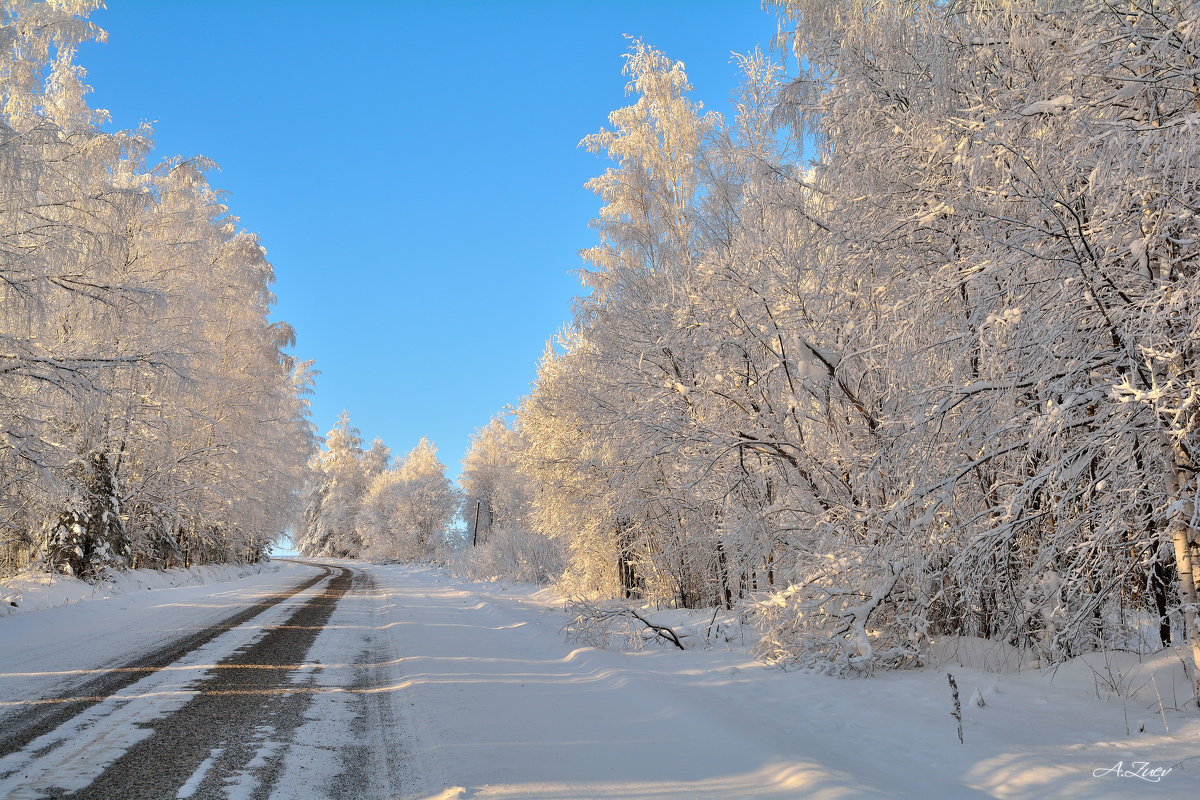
(47, 713)
(214, 730)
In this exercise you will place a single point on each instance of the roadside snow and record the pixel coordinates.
(62, 645)
(38, 591)
(423, 687)
(491, 702)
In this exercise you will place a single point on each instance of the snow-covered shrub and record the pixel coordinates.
(846, 617)
(511, 554)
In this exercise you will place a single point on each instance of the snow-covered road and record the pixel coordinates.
(397, 681)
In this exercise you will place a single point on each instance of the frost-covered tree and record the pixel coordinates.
(338, 483)
(498, 492)
(998, 175)
(495, 492)
(362, 505)
(136, 352)
(631, 337)
(934, 376)
(570, 463)
(380, 514)
(428, 503)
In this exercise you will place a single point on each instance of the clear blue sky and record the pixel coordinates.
(412, 169)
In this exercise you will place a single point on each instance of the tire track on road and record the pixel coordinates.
(49, 713)
(241, 697)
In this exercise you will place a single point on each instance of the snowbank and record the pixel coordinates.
(37, 591)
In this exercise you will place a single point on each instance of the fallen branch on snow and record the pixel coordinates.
(661, 630)
(597, 625)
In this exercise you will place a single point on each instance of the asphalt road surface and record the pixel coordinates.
(180, 722)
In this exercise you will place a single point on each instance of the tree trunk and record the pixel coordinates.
(630, 588)
(1187, 558)
(726, 599)
(1161, 578)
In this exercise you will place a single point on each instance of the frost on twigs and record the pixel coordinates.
(844, 619)
(1055, 105)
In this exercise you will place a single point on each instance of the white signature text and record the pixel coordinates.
(1136, 769)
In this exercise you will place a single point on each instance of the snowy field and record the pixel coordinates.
(422, 686)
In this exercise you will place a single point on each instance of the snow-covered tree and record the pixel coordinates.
(500, 495)
(361, 504)
(338, 483)
(136, 350)
(495, 493)
(998, 176)
(428, 503)
(88, 537)
(908, 344)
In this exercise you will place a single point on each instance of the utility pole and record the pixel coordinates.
(475, 533)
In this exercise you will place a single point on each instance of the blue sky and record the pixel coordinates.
(412, 169)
